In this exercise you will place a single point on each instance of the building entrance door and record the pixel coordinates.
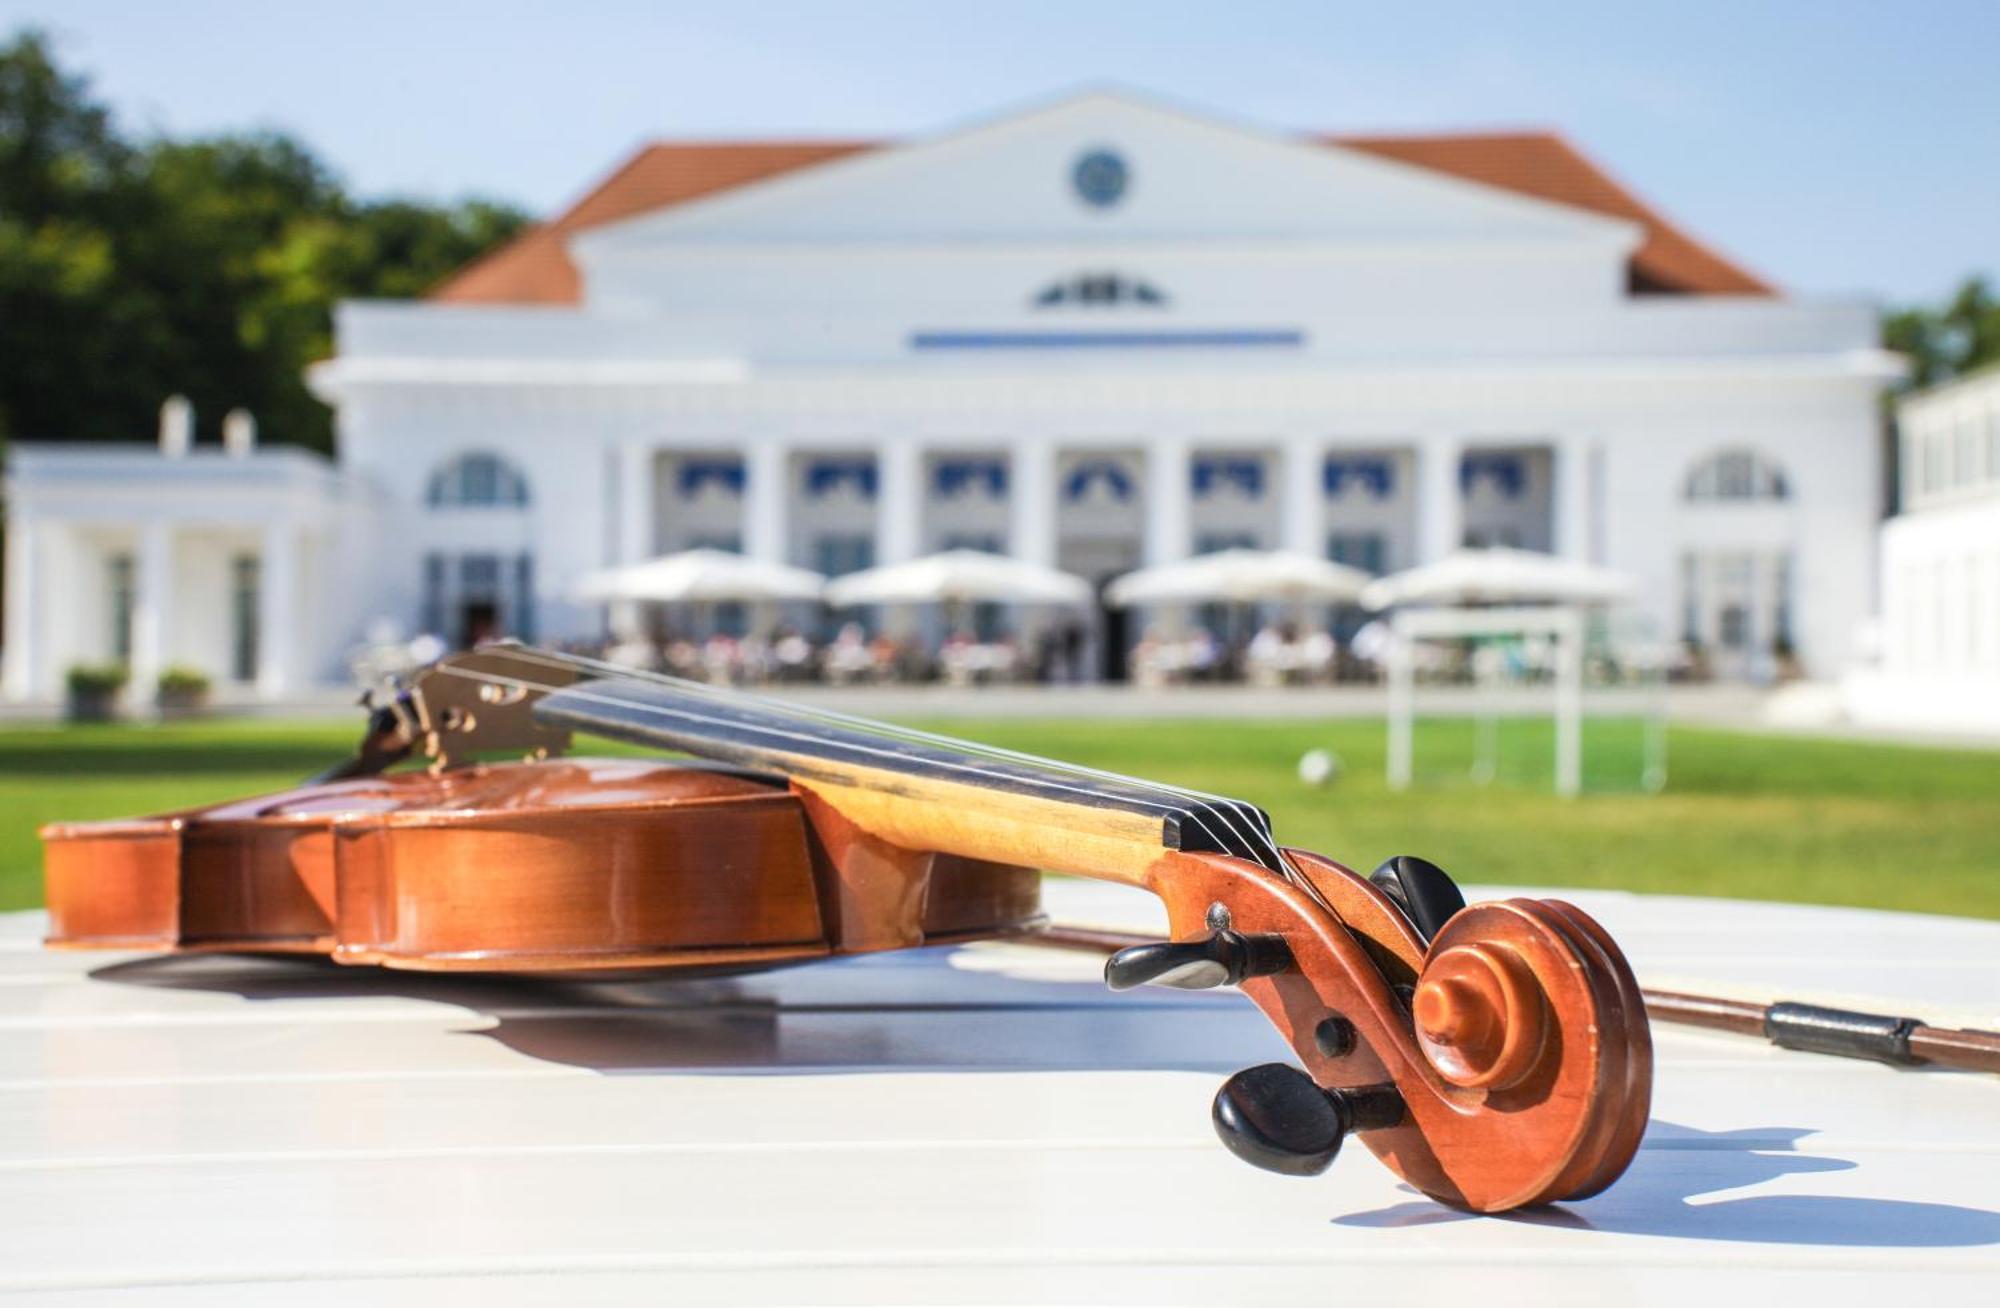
(479, 621)
(1736, 610)
(1117, 639)
(473, 597)
(1100, 560)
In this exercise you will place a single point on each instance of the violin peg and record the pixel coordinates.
(1224, 959)
(1275, 1117)
(1427, 896)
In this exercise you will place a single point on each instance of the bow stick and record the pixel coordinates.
(1809, 1028)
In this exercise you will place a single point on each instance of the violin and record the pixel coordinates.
(1494, 1056)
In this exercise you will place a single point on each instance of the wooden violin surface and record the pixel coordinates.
(554, 865)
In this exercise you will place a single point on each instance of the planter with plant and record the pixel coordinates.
(183, 688)
(93, 691)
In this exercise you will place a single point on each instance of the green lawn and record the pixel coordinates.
(1762, 817)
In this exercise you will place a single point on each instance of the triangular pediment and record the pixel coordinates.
(1106, 167)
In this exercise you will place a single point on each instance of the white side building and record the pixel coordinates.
(243, 563)
(1937, 661)
(1098, 334)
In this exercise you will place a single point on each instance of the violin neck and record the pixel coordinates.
(921, 790)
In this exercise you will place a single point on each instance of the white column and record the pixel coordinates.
(767, 471)
(1031, 502)
(899, 501)
(23, 622)
(1570, 461)
(1401, 659)
(1440, 504)
(1569, 703)
(635, 502)
(152, 600)
(1169, 501)
(1302, 503)
(277, 610)
(634, 494)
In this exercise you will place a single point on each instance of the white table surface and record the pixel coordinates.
(985, 1124)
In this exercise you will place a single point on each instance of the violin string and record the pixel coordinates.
(1221, 806)
(1271, 856)
(669, 714)
(876, 728)
(1225, 809)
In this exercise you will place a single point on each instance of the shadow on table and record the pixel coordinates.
(932, 1011)
(1662, 1195)
(912, 1010)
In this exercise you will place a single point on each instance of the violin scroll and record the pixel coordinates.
(1513, 1045)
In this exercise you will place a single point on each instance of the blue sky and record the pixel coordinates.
(1841, 148)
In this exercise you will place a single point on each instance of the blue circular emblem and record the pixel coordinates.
(1100, 177)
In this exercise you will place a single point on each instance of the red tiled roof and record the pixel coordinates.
(1545, 166)
(535, 268)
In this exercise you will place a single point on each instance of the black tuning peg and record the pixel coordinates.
(1421, 889)
(1276, 1117)
(1224, 959)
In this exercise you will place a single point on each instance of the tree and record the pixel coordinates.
(1946, 342)
(130, 271)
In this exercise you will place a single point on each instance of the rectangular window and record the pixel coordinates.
(479, 601)
(1691, 599)
(836, 556)
(479, 576)
(1366, 550)
(1781, 602)
(435, 598)
(1735, 576)
(1967, 462)
(521, 608)
(119, 595)
(1214, 542)
(245, 572)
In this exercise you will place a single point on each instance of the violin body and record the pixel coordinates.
(1494, 1056)
(546, 866)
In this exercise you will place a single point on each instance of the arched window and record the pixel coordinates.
(477, 481)
(1737, 475)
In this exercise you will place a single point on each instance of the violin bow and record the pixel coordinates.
(1788, 1024)
(1843, 1032)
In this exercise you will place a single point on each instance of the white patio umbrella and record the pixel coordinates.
(958, 577)
(1501, 576)
(700, 576)
(1240, 576)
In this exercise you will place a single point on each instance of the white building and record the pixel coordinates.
(1099, 334)
(1938, 657)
